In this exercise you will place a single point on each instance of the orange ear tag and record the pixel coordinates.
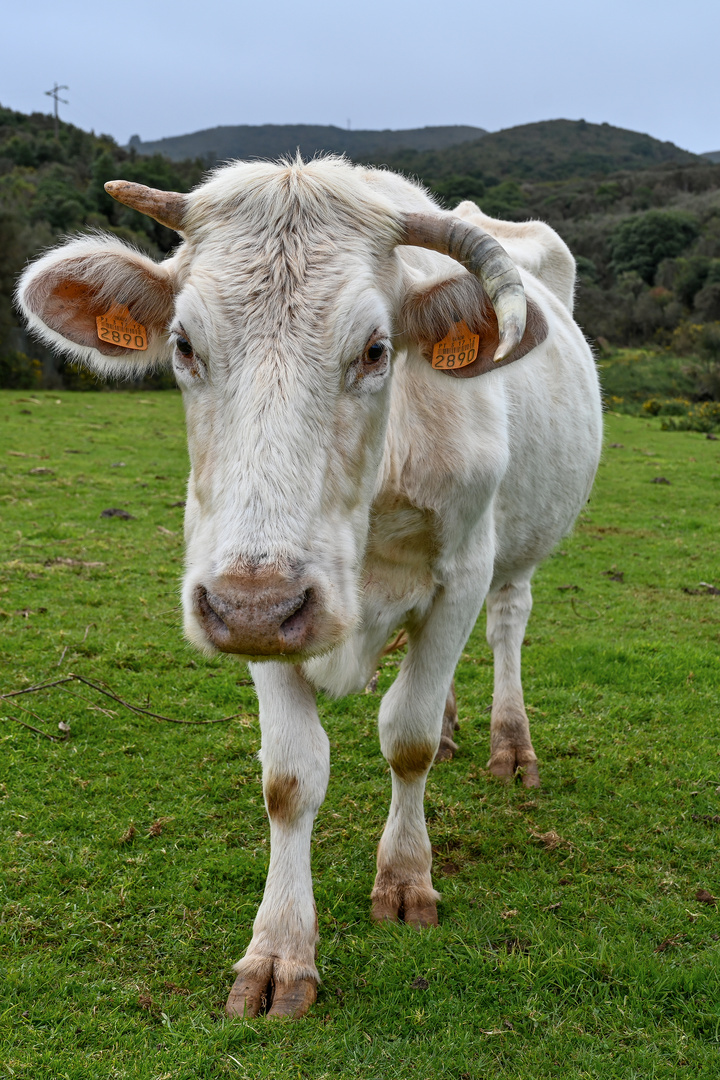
(118, 328)
(457, 349)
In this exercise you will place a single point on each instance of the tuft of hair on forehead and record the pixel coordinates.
(264, 196)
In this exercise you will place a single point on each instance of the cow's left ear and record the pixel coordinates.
(102, 303)
(456, 329)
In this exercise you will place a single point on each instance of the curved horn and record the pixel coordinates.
(484, 257)
(167, 207)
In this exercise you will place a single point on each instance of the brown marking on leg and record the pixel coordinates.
(410, 760)
(281, 796)
(448, 747)
(511, 749)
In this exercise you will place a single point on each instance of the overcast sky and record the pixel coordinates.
(168, 67)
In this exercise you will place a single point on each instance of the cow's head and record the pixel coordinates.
(278, 313)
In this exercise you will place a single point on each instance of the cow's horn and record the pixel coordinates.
(167, 207)
(484, 257)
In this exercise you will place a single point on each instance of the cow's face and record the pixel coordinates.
(282, 345)
(277, 314)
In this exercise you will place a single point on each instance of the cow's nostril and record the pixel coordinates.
(207, 611)
(299, 603)
(295, 624)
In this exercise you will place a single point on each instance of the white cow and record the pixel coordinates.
(342, 486)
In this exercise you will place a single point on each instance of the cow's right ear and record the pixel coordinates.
(434, 313)
(102, 303)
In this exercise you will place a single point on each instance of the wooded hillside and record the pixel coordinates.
(641, 216)
(50, 187)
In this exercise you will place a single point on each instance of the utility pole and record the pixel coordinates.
(55, 95)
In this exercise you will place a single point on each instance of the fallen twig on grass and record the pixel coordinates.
(72, 677)
(586, 618)
(45, 735)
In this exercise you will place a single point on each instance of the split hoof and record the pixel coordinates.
(384, 910)
(421, 915)
(248, 997)
(409, 906)
(251, 997)
(293, 999)
(507, 764)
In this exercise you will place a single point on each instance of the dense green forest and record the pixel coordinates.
(641, 216)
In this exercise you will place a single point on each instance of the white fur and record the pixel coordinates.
(411, 498)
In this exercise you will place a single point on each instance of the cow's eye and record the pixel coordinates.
(367, 372)
(183, 346)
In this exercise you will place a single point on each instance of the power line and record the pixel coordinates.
(55, 95)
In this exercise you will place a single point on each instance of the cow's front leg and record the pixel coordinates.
(411, 724)
(278, 970)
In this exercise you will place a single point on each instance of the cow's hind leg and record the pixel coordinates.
(278, 972)
(508, 610)
(448, 748)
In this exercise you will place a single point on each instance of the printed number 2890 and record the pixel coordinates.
(118, 337)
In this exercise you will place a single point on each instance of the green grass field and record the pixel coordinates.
(572, 939)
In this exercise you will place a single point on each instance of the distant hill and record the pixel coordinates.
(549, 150)
(712, 155)
(275, 140)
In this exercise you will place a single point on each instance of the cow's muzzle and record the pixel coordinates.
(240, 614)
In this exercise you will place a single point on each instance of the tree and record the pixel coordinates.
(641, 242)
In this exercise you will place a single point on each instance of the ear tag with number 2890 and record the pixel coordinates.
(457, 349)
(117, 327)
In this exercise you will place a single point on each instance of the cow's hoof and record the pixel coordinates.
(421, 914)
(413, 906)
(293, 999)
(250, 997)
(447, 749)
(508, 763)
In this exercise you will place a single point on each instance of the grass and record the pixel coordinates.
(572, 942)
